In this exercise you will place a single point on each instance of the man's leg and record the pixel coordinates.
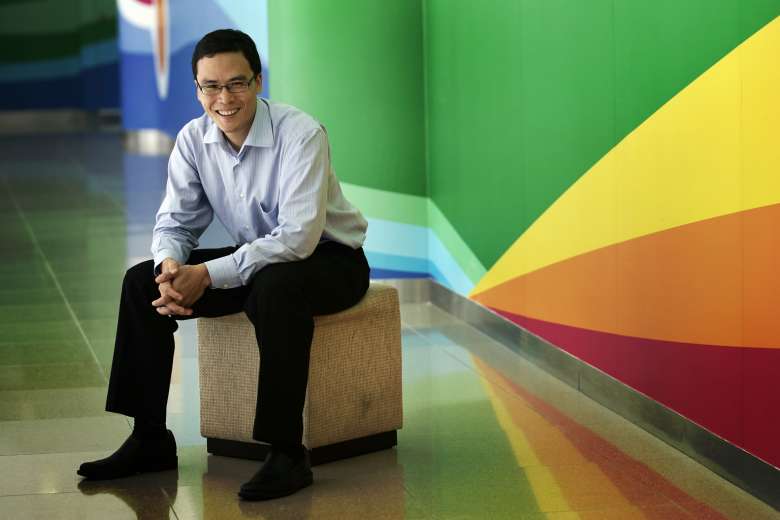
(141, 368)
(143, 349)
(283, 301)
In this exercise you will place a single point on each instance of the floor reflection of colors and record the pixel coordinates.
(558, 455)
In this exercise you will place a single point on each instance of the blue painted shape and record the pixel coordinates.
(397, 262)
(252, 18)
(406, 247)
(378, 274)
(141, 107)
(40, 70)
(437, 275)
(100, 53)
(95, 55)
(134, 39)
(449, 272)
(100, 86)
(395, 238)
(51, 93)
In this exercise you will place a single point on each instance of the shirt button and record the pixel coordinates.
(242, 195)
(224, 286)
(246, 227)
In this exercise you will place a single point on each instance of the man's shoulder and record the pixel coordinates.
(290, 121)
(195, 130)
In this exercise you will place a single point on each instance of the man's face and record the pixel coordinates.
(232, 112)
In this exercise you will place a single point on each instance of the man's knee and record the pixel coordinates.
(140, 274)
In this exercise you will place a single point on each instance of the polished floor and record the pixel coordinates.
(486, 435)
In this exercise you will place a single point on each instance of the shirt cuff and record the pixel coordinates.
(223, 273)
(161, 255)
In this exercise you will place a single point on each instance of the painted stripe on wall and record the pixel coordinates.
(92, 55)
(456, 249)
(397, 263)
(446, 269)
(713, 282)
(388, 205)
(449, 259)
(686, 158)
(697, 381)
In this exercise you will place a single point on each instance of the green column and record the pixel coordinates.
(356, 65)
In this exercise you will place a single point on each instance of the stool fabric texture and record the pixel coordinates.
(354, 387)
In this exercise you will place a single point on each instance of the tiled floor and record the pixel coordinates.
(486, 434)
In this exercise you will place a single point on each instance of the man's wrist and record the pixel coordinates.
(169, 263)
(206, 276)
(222, 272)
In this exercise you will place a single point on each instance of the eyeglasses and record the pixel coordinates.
(234, 87)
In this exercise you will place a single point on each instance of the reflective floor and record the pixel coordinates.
(486, 434)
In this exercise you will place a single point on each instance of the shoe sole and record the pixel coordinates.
(269, 495)
(147, 468)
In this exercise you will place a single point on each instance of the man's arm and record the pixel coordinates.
(185, 212)
(303, 195)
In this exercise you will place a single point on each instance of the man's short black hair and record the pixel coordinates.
(226, 40)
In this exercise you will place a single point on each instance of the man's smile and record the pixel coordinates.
(226, 112)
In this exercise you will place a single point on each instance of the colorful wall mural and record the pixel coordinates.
(56, 55)
(658, 263)
(602, 173)
(156, 40)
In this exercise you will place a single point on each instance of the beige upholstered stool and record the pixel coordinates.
(353, 402)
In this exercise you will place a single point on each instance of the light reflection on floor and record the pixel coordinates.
(486, 434)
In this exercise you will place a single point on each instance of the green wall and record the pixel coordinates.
(522, 97)
(519, 97)
(356, 65)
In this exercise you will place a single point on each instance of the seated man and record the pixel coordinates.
(264, 169)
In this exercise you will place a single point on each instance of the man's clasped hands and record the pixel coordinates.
(181, 285)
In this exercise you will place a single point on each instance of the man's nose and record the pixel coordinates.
(225, 95)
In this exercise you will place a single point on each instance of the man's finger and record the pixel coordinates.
(162, 301)
(178, 309)
(172, 293)
(165, 311)
(167, 276)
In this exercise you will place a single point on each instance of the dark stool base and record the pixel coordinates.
(320, 455)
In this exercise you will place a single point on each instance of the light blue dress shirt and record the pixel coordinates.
(277, 197)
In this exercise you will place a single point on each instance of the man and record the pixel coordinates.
(264, 169)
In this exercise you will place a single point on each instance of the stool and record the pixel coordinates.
(353, 400)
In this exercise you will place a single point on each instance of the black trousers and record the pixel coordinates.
(280, 301)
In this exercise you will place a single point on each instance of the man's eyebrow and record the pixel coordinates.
(234, 78)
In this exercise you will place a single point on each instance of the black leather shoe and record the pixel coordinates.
(280, 476)
(134, 456)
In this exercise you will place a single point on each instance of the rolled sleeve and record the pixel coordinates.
(223, 273)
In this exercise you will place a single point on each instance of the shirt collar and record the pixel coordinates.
(260, 133)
